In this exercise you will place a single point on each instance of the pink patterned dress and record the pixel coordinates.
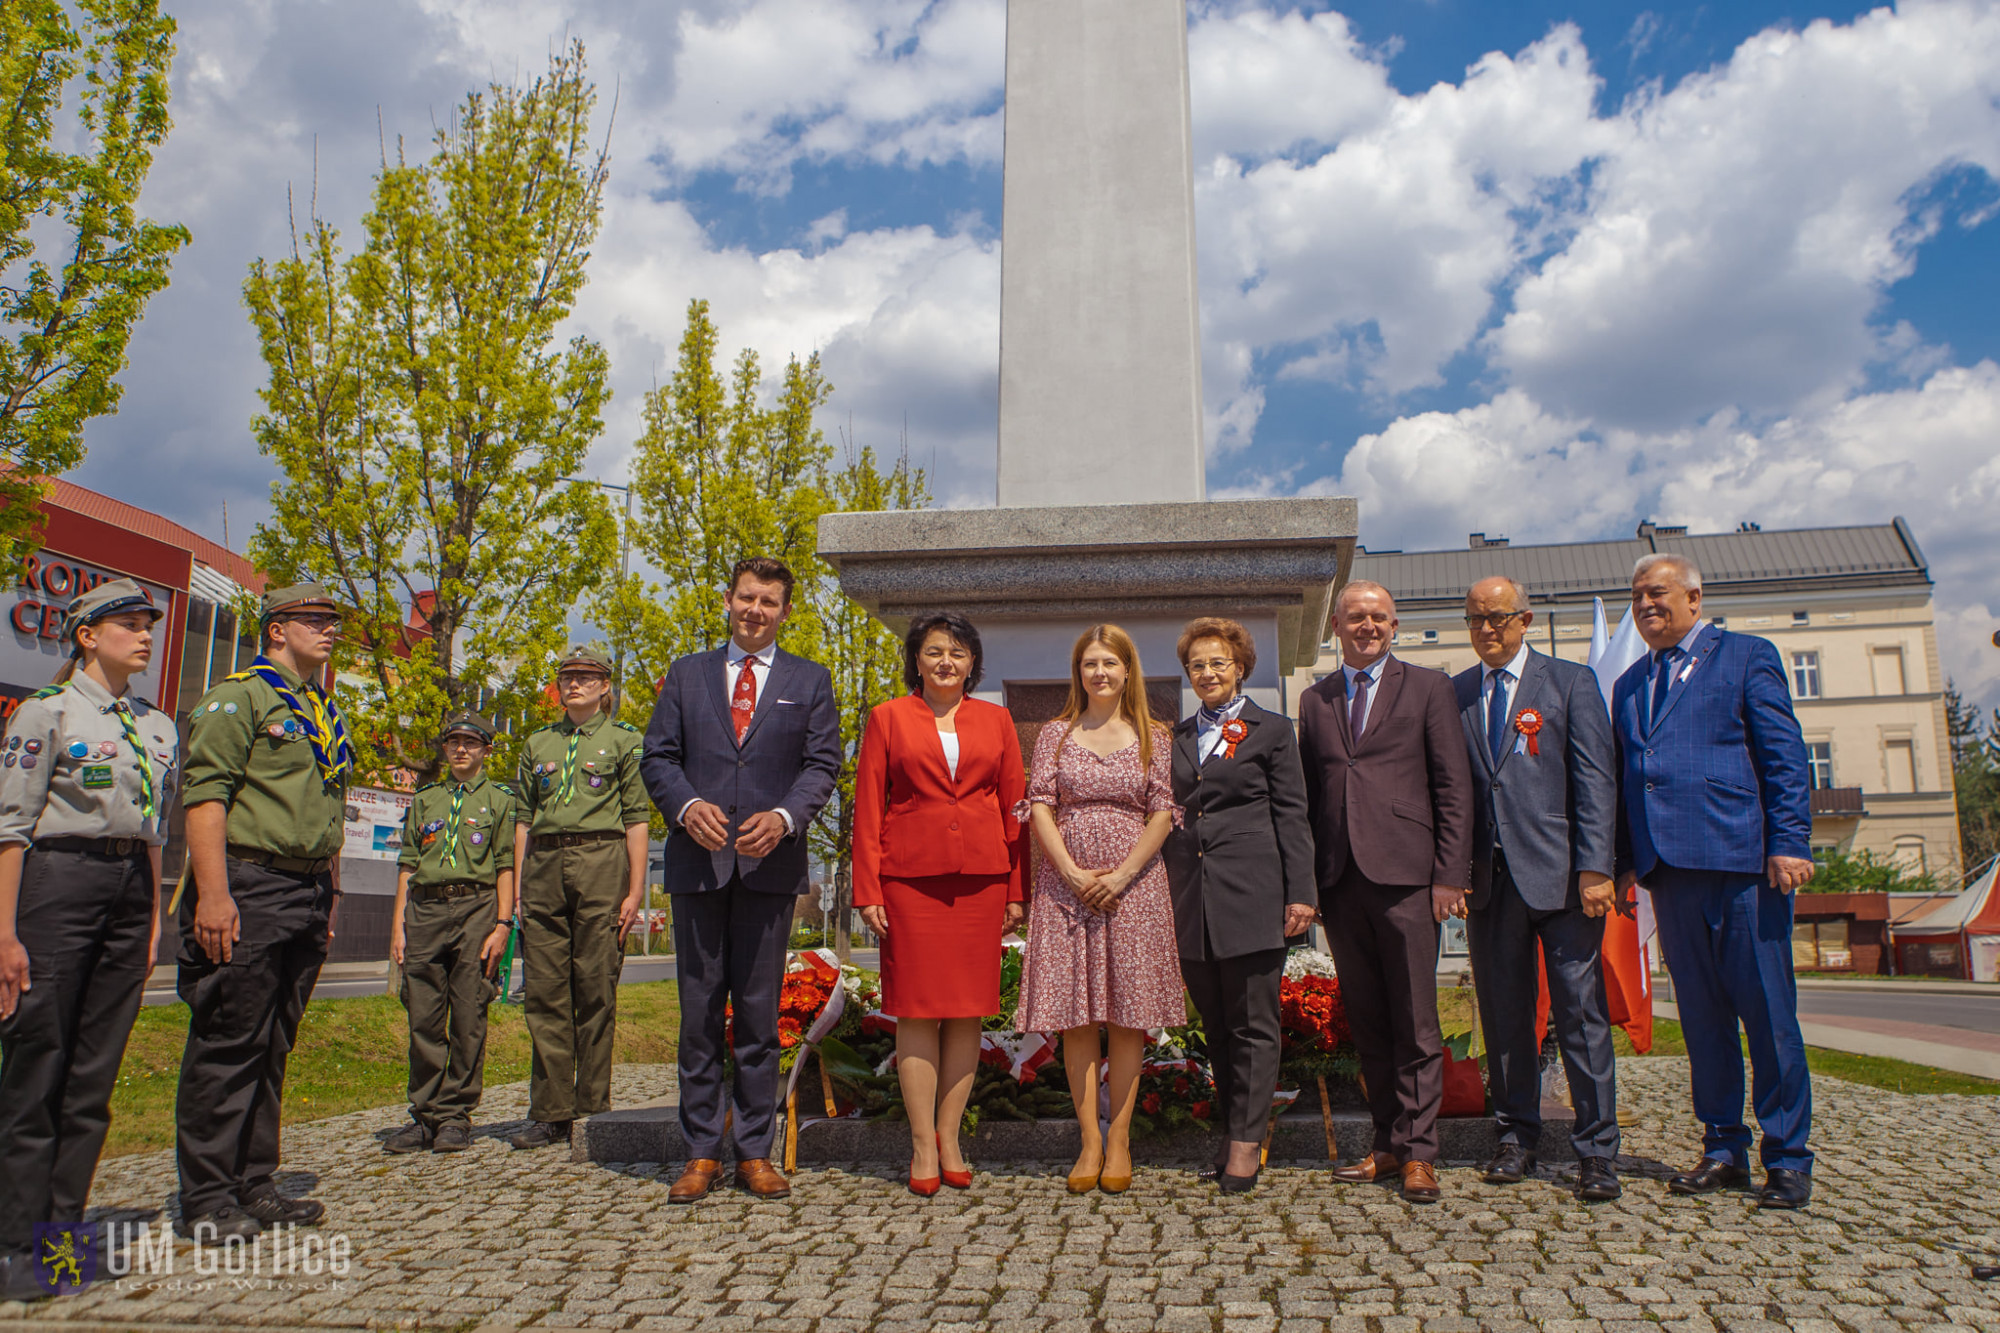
(1083, 966)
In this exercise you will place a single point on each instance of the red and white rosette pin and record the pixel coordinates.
(1234, 730)
(1529, 723)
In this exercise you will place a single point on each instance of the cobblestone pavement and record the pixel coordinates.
(1906, 1199)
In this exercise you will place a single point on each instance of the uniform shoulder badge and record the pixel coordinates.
(626, 726)
(426, 787)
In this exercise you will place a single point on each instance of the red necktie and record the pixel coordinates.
(743, 703)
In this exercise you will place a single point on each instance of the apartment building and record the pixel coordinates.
(1848, 608)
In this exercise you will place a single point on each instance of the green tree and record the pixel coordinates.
(1975, 768)
(719, 474)
(427, 420)
(1865, 872)
(84, 87)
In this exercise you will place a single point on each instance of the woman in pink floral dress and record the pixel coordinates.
(1101, 947)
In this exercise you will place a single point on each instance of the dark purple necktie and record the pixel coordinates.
(1357, 706)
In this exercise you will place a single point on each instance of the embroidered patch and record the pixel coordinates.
(32, 747)
(97, 776)
(213, 706)
(229, 708)
(9, 760)
(27, 761)
(277, 732)
(478, 838)
(77, 749)
(107, 749)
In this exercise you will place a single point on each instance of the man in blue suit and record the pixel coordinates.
(741, 754)
(1544, 833)
(1716, 821)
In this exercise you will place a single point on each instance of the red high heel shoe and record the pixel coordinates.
(958, 1180)
(925, 1186)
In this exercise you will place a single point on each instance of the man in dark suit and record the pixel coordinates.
(1544, 835)
(1716, 819)
(1389, 795)
(741, 754)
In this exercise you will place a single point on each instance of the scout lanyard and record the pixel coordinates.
(567, 790)
(319, 718)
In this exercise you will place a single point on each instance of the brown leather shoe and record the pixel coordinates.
(1375, 1166)
(697, 1179)
(760, 1178)
(1420, 1183)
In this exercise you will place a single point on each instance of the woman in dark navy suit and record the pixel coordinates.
(1241, 871)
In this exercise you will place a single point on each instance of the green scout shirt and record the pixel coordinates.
(605, 793)
(240, 753)
(485, 843)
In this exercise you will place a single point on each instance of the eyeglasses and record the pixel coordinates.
(1496, 621)
(318, 622)
(1213, 667)
(463, 743)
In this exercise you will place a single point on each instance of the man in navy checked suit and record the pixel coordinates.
(1715, 819)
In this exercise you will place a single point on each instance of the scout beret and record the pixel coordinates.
(298, 597)
(467, 721)
(109, 598)
(581, 658)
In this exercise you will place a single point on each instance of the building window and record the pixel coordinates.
(1805, 675)
(1909, 855)
(1802, 617)
(1888, 666)
(1819, 754)
(1899, 757)
(1718, 621)
(1822, 946)
(1430, 636)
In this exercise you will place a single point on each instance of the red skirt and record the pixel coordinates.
(941, 957)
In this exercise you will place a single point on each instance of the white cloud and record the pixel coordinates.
(1742, 232)
(1930, 452)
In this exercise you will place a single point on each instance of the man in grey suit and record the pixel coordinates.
(740, 756)
(1543, 841)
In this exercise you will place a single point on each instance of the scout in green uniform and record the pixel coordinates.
(581, 847)
(86, 776)
(267, 771)
(454, 888)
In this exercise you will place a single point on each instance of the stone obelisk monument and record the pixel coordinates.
(1101, 514)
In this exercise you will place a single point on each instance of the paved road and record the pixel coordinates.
(1977, 1013)
(492, 1239)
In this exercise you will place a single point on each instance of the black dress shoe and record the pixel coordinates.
(1985, 1272)
(1785, 1189)
(272, 1208)
(1596, 1181)
(1509, 1165)
(22, 1280)
(413, 1137)
(1237, 1184)
(1713, 1174)
(540, 1134)
(217, 1225)
(452, 1136)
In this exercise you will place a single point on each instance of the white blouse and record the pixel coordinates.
(950, 742)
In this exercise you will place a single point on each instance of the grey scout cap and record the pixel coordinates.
(298, 597)
(581, 658)
(465, 722)
(109, 598)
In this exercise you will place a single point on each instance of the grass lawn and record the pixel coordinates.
(353, 1054)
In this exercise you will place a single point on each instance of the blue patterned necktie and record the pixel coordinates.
(1663, 679)
(1496, 714)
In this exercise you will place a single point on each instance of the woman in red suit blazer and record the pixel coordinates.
(939, 875)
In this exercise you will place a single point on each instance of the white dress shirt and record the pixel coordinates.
(1489, 682)
(760, 671)
(1207, 736)
(1374, 674)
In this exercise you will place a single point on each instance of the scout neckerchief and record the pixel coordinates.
(568, 788)
(131, 725)
(451, 825)
(318, 718)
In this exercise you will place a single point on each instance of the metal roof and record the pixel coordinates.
(1874, 555)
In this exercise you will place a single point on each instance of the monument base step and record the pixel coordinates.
(652, 1133)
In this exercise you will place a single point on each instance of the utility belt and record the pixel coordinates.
(542, 840)
(460, 888)
(288, 865)
(115, 848)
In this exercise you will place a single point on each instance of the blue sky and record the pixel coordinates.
(1542, 269)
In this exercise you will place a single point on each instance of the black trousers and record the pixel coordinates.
(85, 921)
(1503, 935)
(243, 1017)
(1385, 947)
(1238, 1002)
(729, 948)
